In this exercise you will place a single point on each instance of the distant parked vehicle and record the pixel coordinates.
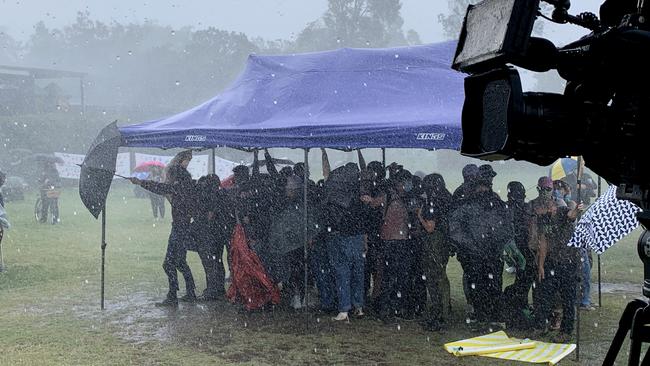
(14, 189)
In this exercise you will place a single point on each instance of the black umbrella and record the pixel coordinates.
(96, 177)
(98, 168)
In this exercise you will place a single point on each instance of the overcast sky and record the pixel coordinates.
(271, 19)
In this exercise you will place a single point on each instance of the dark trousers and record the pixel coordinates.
(323, 274)
(516, 295)
(485, 278)
(416, 297)
(210, 249)
(48, 204)
(374, 259)
(397, 276)
(175, 259)
(434, 259)
(157, 205)
(296, 266)
(559, 279)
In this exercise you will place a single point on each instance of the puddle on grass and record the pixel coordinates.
(228, 332)
(617, 288)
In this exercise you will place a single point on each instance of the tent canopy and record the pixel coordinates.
(405, 97)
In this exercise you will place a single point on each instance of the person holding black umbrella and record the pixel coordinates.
(481, 227)
(181, 191)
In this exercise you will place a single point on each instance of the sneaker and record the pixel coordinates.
(168, 302)
(296, 303)
(587, 308)
(342, 316)
(358, 312)
(188, 298)
(209, 297)
(562, 338)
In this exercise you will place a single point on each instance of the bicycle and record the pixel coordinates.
(52, 195)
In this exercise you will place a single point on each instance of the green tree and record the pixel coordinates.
(9, 48)
(452, 22)
(355, 23)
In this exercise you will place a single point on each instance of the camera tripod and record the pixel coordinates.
(636, 316)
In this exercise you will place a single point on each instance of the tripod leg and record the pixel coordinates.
(635, 352)
(624, 325)
(646, 358)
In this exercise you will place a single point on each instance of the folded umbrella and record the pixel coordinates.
(98, 168)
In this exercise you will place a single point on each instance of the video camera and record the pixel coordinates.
(603, 114)
(604, 111)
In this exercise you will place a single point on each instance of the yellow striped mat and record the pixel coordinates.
(499, 345)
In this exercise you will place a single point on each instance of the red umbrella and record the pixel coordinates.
(148, 164)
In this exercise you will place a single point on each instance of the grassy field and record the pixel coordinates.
(49, 304)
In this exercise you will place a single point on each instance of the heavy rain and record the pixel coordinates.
(292, 182)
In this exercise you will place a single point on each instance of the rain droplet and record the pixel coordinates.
(396, 55)
(129, 53)
(490, 276)
(424, 278)
(118, 58)
(399, 295)
(177, 83)
(473, 286)
(552, 272)
(596, 325)
(275, 102)
(399, 327)
(173, 33)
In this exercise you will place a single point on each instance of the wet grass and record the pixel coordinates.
(49, 305)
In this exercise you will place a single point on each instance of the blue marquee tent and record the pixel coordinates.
(405, 97)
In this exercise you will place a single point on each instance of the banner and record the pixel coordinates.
(223, 167)
(199, 166)
(70, 168)
(123, 165)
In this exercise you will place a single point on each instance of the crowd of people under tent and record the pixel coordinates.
(379, 239)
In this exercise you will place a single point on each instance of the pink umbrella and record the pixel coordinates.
(144, 166)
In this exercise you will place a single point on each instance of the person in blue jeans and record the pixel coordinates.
(585, 299)
(344, 215)
(346, 257)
